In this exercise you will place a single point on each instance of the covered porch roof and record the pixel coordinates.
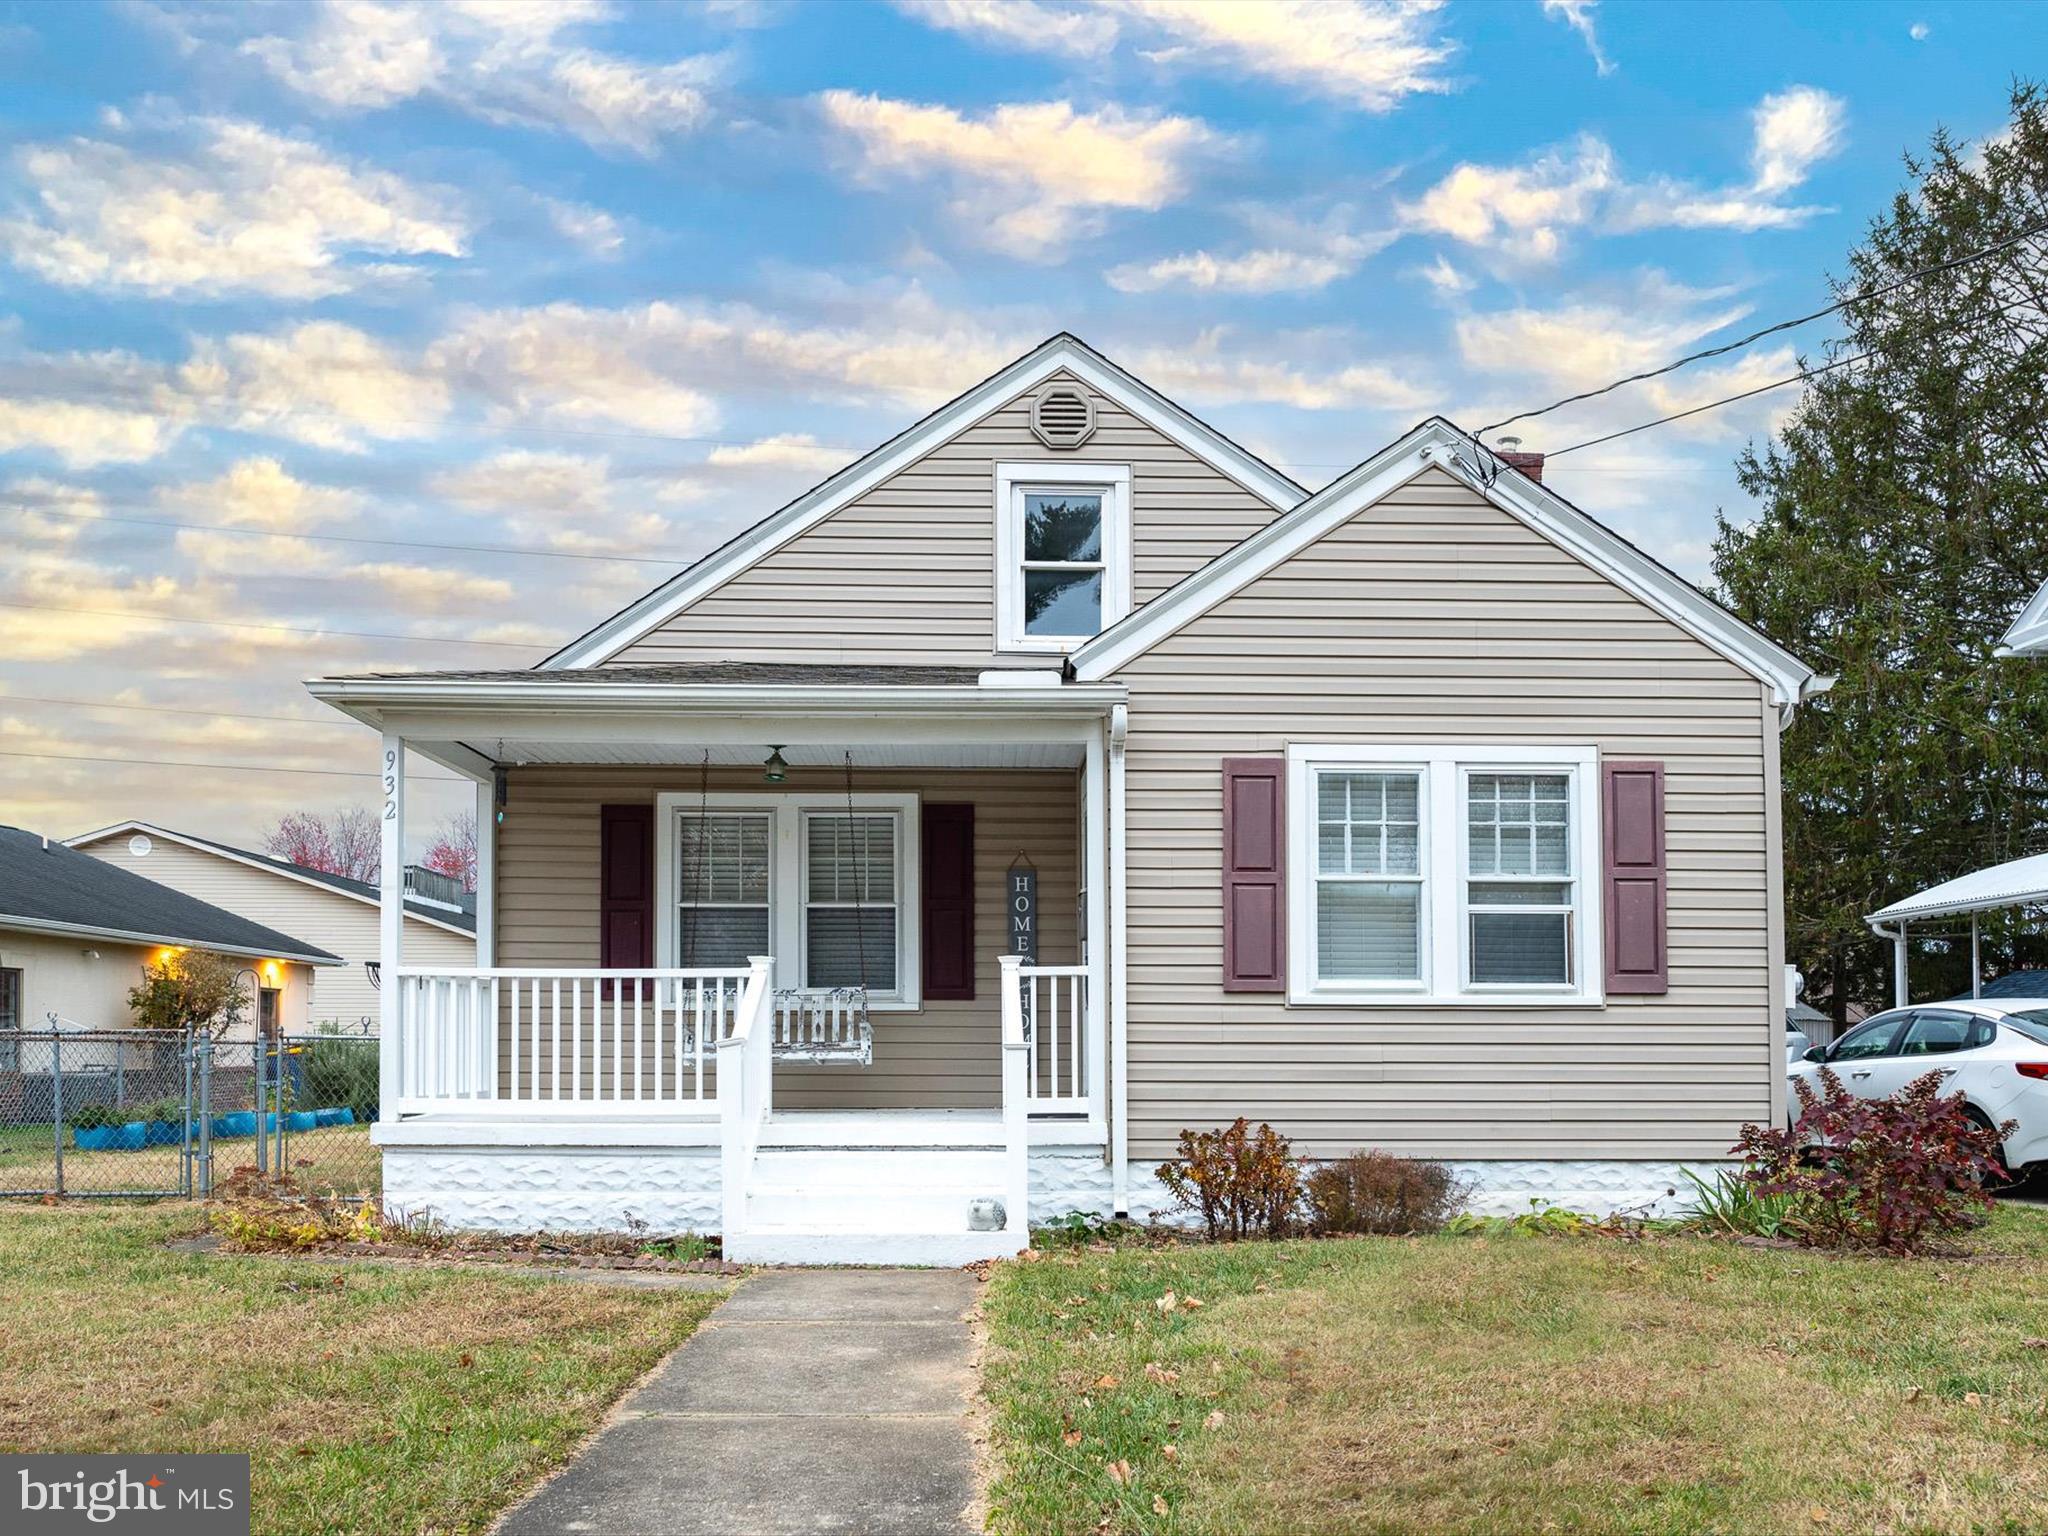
(2015, 883)
(887, 716)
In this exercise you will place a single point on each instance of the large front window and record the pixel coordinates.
(1062, 553)
(826, 893)
(1442, 874)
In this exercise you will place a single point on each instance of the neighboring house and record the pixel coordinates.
(332, 911)
(1422, 812)
(76, 935)
(2028, 635)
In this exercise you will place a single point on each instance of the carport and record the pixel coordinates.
(2016, 883)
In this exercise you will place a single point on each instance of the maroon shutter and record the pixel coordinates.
(946, 892)
(625, 900)
(1632, 806)
(1255, 874)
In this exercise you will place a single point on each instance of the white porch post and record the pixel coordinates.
(1016, 1112)
(391, 928)
(1096, 851)
(1119, 981)
(1976, 959)
(486, 877)
(1899, 966)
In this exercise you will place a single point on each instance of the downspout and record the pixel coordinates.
(1119, 975)
(1898, 937)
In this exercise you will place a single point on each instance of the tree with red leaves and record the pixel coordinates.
(343, 842)
(454, 849)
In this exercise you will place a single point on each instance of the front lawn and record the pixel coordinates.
(373, 1399)
(1445, 1384)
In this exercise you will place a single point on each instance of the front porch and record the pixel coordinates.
(746, 963)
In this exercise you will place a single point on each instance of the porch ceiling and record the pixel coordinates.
(931, 754)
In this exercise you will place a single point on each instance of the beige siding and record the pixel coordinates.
(325, 919)
(943, 1056)
(1434, 617)
(86, 981)
(906, 573)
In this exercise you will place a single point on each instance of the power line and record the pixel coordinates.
(287, 629)
(170, 709)
(1771, 330)
(1808, 373)
(352, 538)
(159, 762)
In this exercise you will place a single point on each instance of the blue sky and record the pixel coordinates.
(602, 281)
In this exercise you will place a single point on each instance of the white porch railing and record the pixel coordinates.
(1061, 1074)
(569, 1041)
(746, 1063)
(1016, 1100)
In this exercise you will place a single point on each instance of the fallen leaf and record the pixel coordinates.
(1912, 1394)
(1165, 1303)
(1120, 1472)
(1973, 1398)
(1071, 1437)
(1190, 1303)
(1818, 1515)
(1215, 1419)
(1106, 1383)
(2034, 1343)
(1170, 1452)
(1159, 1504)
(1154, 1371)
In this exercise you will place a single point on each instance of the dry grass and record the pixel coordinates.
(336, 1157)
(373, 1399)
(1455, 1385)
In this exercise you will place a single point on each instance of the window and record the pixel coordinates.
(1873, 1038)
(1443, 874)
(830, 896)
(1062, 553)
(1937, 1031)
(850, 915)
(10, 1019)
(723, 906)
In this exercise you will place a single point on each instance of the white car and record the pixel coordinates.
(1993, 1051)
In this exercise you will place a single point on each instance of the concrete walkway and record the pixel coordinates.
(814, 1401)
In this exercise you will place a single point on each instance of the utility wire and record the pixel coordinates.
(1771, 330)
(159, 762)
(287, 629)
(171, 709)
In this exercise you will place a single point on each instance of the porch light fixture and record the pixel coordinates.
(775, 770)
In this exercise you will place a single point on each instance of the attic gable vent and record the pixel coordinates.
(1063, 416)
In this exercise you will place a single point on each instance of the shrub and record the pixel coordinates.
(255, 1213)
(191, 989)
(1542, 1219)
(1729, 1204)
(1245, 1183)
(95, 1117)
(1379, 1192)
(170, 1107)
(1900, 1174)
(340, 1071)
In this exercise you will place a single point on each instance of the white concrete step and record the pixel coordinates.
(941, 1209)
(883, 1128)
(930, 1250)
(869, 1168)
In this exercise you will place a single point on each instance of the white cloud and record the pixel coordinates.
(505, 61)
(82, 434)
(1919, 31)
(785, 450)
(322, 383)
(1794, 130)
(261, 493)
(564, 500)
(240, 210)
(1588, 342)
(592, 228)
(241, 554)
(1370, 54)
(1578, 15)
(1445, 278)
(433, 587)
(1308, 259)
(1525, 209)
(48, 511)
(1030, 177)
(1021, 24)
(1204, 371)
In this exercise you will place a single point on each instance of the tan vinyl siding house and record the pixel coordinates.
(1561, 974)
(1432, 616)
(342, 923)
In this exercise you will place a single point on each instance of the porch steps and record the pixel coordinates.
(868, 1205)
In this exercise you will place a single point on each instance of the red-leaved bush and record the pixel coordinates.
(1899, 1174)
(1244, 1182)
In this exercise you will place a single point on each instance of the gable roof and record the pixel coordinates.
(49, 887)
(1061, 353)
(1440, 444)
(2029, 633)
(463, 922)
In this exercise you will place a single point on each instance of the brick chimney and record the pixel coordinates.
(1509, 453)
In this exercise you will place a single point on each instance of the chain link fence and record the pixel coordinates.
(145, 1114)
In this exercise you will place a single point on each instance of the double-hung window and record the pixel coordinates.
(831, 895)
(1443, 874)
(1063, 568)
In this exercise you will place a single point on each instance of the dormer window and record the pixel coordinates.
(1063, 553)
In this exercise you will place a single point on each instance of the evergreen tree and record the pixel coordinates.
(1905, 521)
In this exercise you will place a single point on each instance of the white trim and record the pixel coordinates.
(391, 920)
(2028, 635)
(1441, 935)
(486, 874)
(1119, 974)
(267, 867)
(1060, 353)
(10, 922)
(1113, 483)
(1437, 443)
(786, 904)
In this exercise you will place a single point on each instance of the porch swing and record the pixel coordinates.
(827, 1027)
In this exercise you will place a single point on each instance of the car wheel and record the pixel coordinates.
(1982, 1121)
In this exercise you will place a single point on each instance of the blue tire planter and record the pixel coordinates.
(345, 1116)
(328, 1117)
(95, 1140)
(132, 1137)
(241, 1123)
(163, 1133)
(301, 1120)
